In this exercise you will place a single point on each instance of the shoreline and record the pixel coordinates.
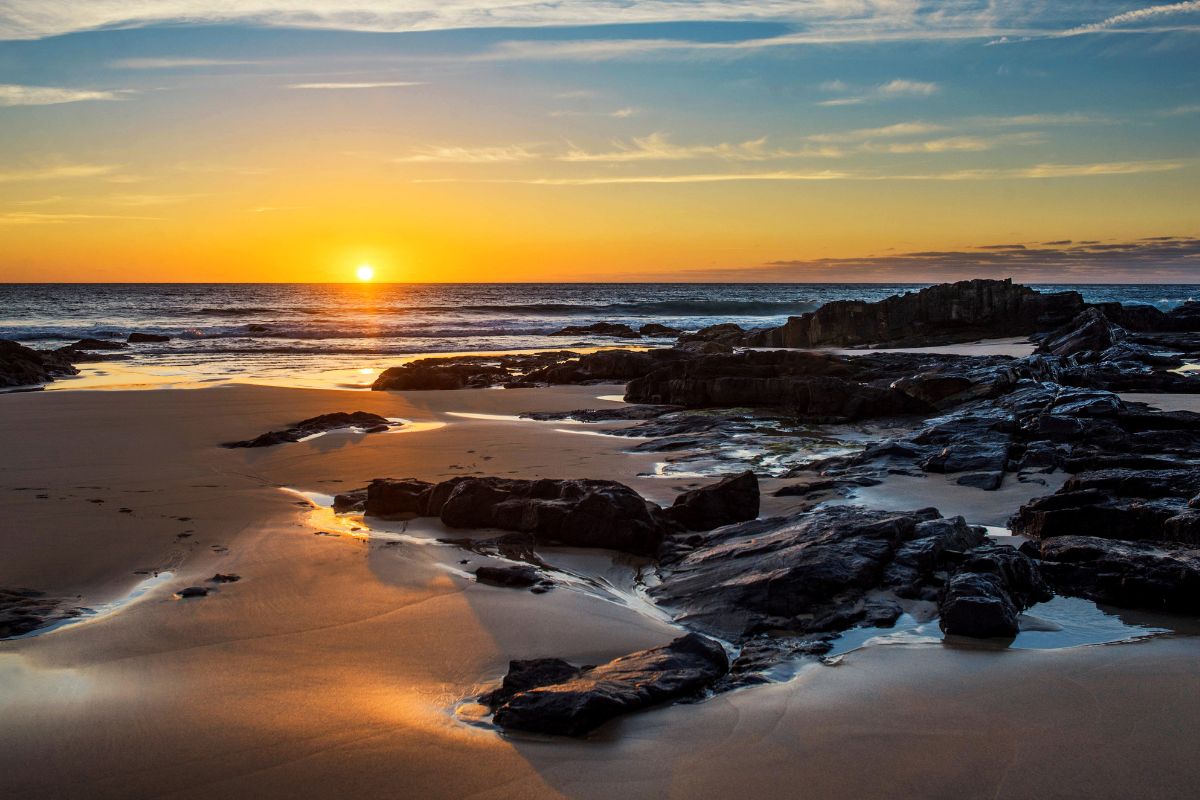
(392, 641)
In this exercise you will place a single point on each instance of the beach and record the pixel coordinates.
(339, 664)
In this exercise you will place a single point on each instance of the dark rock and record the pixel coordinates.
(192, 591)
(657, 330)
(222, 577)
(1161, 577)
(987, 592)
(22, 366)
(1183, 528)
(370, 423)
(425, 375)
(346, 502)
(804, 489)
(519, 576)
(803, 574)
(724, 333)
(931, 548)
(23, 611)
(988, 481)
(577, 513)
(1088, 334)
(943, 314)
(388, 497)
(619, 330)
(729, 500)
(605, 366)
(703, 348)
(581, 704)
(96, 344)
(529, 674)
(146, 338)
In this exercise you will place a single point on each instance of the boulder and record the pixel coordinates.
(363, 420)
(23, 366)
(387, 497)
(724, 333)
(729, 500)
(658, 330)
(516, 576)
(422, 375)
(616, 329)
(942, 314)
(933, 544)
(576, 513)
(146, 338)
(988, 591)
(1161, 577)
(574, 705)
(1088, 335)
(96, 344)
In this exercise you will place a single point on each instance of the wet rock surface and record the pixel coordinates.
(1151, 575)
(365, 421)
(23, 611)
(24, 366)
(551, 696)
(988, 590)
(943, 314)
(729, 500)
(516, 576)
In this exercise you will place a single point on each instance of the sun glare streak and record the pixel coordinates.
(365, 272)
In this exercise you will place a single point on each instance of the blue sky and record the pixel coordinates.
(701, 135)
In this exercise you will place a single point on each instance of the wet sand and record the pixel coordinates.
(332, 668)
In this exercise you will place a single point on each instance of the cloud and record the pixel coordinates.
(1180, 111)
(898, 87)
(1160, 258)
(178, 63)
(885, 132)
(659, 147)
(954, 144)
(60, 172)
(470, 155)
(363, 85)
(1035, 172)
(14, 95)
(31, 218)
(620, 113)
(1134, 17)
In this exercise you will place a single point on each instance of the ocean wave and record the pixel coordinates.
(601, 311)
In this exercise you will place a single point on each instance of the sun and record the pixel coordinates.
(365, 272)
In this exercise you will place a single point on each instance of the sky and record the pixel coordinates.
(583, 140)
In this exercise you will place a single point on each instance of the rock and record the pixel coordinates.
(943, 314)
(388, 497)
(1160, 577)
(1183, 528)
(988, 481)
(703, 348)
(933, 545)
(222, 577)
(805, 489)
(576, 513)
(729, 500)
(23, 366)
(517, 576)
(146, 338)
(1139, 483)
(366, 421)
(96, 344)
(803, 574)
(580, 704)
(1184, 317)
(605, 366)
(724, 333)
(619, 330)
(1087, 335)
(192, 591)
(658, 330)
(346, 502)
(987, 592)
(24, 611)
(529, 674)
(427, 374)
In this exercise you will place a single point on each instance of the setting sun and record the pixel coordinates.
(365, 272)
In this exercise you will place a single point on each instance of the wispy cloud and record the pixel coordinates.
(619, 113)
(954, 144)
(659, 147)
(1034, 172)
(15, 95)
(470, 155)
(179, 63)
(1159, 258)
(1135, 17)
(1180, 111)
(59, 172)
(31, 218)
(899, 87)
(357, 85)
(884, 132)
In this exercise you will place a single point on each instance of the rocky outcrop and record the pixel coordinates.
(146, 338)
(96, 344)
(726, 333)
(729, 500)
(615, 329)
(658, 330)
(552, 696)
(576, 513)
(437, 373)
(1157, 576)
(24, 611)
(23, 366)
(1086, 336)
(987, 592)
(364, 421)
(943, 314)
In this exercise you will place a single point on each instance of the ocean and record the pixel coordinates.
(309, 333)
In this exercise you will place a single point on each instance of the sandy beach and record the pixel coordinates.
(336, 663)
